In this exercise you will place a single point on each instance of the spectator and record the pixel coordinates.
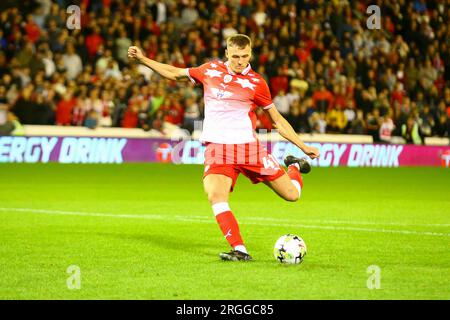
(427, 75)
(43, 113)
(386, 128)
(159, 10)
(410, 131)
(339, 97)
(157, 100)
(59, 43)
(144, 118)
(93, 42)
(302, 119)
(176, 19)
(350, 66)
(25, 55)
(72, 62)
(441, 109)
(280, 82)
(322, 98)
(382, 103)
(3, 99)
(442, 128)
(24, 106)
(228, 31)
(103, 60)
(332, 126)
(174, 112)
(293, 116)
(189, 15)
(318, 123)
(336, 121)
(64, 109)
(158, 121)
(32, 29)
(119, 107)
(373, 125)
(131, 118)
(9, 124)
(3, 41)
(260, 15)
(412, 75)
(358, 124)
(79, 111)
(447, 99)
(121, 44)
(112, 70)
(91, 120)
(349, 113)
(297, 90)
(95, 105)
(104, 117)
(191, 114)
(282, 102)
(426, 122)
(47, 60)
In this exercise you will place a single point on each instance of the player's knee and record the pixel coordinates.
(215, 197)
(292, 195)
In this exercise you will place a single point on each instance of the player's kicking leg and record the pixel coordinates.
(217, 187)
(289, 186)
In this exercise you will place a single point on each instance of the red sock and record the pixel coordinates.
(228, 224)
(294, 173)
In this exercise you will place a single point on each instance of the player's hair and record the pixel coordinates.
(239, 40)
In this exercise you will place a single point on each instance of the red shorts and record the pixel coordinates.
(250, 159)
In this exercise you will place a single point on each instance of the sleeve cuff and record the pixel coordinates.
(189, 76)
(268, 106)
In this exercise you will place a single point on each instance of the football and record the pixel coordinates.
(290, 249)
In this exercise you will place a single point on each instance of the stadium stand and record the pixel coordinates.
(328, 72)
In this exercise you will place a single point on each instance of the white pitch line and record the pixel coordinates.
(206, 220)
(357, 222)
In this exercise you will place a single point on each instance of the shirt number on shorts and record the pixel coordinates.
(269, 162)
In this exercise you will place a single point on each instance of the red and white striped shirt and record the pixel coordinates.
(230, 101)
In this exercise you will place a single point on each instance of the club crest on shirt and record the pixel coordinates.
(227, 78)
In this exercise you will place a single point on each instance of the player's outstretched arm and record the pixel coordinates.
(287, 132)
(165, 70)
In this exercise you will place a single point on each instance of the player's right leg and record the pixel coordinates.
(289, 185)
(217, 187)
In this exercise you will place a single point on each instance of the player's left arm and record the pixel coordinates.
(287, 132)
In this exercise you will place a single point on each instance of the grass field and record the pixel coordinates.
(146, 231)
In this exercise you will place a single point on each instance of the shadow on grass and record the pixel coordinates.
(164, 241)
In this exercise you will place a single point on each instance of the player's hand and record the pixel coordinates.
(135, 53)
(312, 152)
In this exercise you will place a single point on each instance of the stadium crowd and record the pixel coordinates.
(327, 71)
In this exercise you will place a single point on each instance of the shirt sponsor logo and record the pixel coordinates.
(221, 94)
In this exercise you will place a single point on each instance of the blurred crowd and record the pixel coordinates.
(327, 71)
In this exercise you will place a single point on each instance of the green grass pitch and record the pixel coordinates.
(146, 231)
